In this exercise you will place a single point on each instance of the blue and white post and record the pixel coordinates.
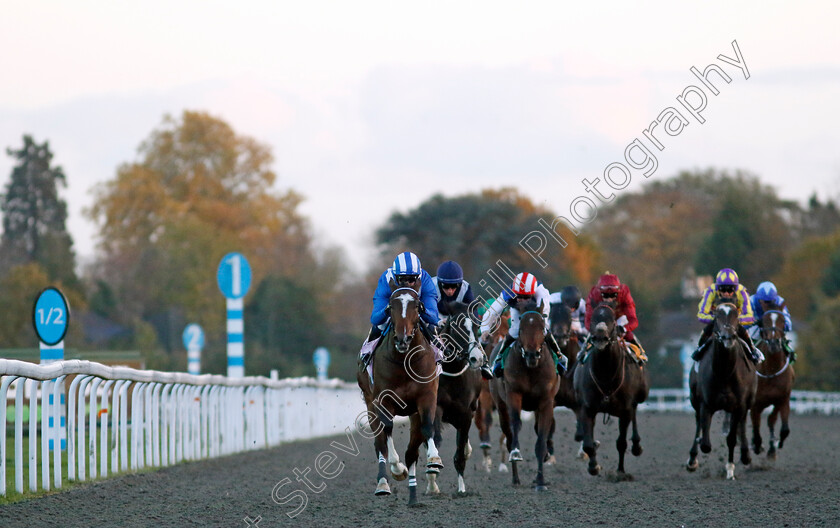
(194, 342)
(234, 278)
(321, 358)
(50, 317)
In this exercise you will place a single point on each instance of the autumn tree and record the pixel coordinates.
(34, 215)
(197, 192)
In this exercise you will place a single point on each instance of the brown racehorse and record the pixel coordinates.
(723, 380)
(608, 382)
(775, 381)
(484, 412)
(530, 383)
(405, 383)
(560, 326)
(459, 387)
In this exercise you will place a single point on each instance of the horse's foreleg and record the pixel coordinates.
(412, 484)
(755, 417)
(587, 419)
(544, 425)
(621, 442)
(692, 463)
(731, 440)
(506, 436)
(462, 451)
(549, 441)
(425, 416)
(742, 437)
(514, 404)
(785, 412)
(706, 424)
(381, 446)
(636, 439)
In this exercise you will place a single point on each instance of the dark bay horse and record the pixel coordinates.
(459, 387)
(560, 326)
(723, 380)
(530, 383)
(405, 383)
(775, 381)
(484, 412)
(607, 382)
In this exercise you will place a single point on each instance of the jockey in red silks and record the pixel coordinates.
(612, 292)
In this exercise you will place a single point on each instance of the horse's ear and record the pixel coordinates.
(541, 306)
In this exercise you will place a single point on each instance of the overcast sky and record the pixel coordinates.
(372, 107)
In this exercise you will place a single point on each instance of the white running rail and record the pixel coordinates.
(120, 419)
(801, 402)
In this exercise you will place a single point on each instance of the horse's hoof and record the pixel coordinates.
(730, 471)
(551, 461)
(515, 456)
(771, 455)
(434, 463)
(485, 445)
(758, 450)
(432, 490)
(691, 467)
(540, 487)
(706, 448)
(399, 474)
(746, 459)
(432, 471)
(594, 470)
(636, 450)
(382, 488)
(503, 467)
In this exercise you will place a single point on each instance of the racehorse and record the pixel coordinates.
(607, 382)
(560, 319)
(458, 388)
(530, 382)
(484, 412)
(405, 383)
(775, 381)
(723, 379)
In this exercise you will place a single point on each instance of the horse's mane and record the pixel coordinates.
(559, 312)
(457, 307)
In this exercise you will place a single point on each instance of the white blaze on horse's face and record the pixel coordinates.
(405, 299)
(773, 317)
(476, 356)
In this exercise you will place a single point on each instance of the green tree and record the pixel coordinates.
(34, 215)
(819, 349)
(831, 275)
(476, 230)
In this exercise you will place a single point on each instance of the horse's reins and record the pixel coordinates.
(787, 358)
(621, 381)
(417, 299)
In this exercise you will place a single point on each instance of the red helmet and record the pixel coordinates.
(525, 284)
(609, 283)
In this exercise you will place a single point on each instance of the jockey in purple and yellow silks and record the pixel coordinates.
(726, 289)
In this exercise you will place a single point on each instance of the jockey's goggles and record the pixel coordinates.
(524, 297)
(449, 285)
(407, 279)
(609, 295)
(727, 288)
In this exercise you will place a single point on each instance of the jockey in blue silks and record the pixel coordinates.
(405, 273)
(451, 287)
(765, 298)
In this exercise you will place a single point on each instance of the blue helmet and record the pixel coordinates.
(407, 263)
(766, 292)
(450, 273)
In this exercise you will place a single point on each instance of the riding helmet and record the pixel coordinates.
(450, 273)
(727, 277)
(525, 284)
(570, 296)
(407, 263)
(766, 292)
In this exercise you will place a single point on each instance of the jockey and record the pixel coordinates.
(405, 273)
(766, 298)
(612, 292)
(726, 289)
(570, 296)
(525, 288)
(450, 286)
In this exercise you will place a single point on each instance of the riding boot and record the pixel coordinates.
(486, 372)
(789, 350)
(562, 360)
(374, 334)
(755, 354)
(499, 364)
(701, 344)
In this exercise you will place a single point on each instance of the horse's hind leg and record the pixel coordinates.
(462, 439)
(514, 404)
(755, 416)
(636, 439)
(544, 419)
(731, 441)
(431, 480)
(785, 412)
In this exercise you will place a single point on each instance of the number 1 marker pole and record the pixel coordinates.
(234, 278)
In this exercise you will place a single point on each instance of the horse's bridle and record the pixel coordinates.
(409, 336)
(522, 348)
(463, 354)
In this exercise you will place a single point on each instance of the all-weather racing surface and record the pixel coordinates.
(261, 488)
